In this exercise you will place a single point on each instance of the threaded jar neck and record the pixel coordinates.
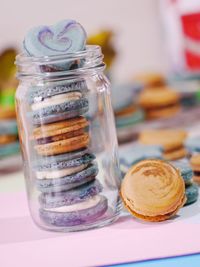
(67, 65)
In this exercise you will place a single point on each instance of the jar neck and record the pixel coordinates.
(71, 65)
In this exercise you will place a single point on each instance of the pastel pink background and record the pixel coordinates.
(124, 241)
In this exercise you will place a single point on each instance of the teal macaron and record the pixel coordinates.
(192, 193)
(186, 171)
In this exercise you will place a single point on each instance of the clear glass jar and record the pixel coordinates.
(68, 140)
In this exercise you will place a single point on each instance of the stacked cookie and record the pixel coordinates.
(162, 102)
(191, 190)
(171, 140)
(65, 170)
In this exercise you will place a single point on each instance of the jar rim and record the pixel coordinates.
(91, 50)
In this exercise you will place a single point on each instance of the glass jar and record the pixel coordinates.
(68, 140)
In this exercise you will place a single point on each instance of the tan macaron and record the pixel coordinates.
(153, 190)
(61, 137)
(172, 141)
(150, 79)
(160, 103)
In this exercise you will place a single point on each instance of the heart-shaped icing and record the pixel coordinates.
(67, 36)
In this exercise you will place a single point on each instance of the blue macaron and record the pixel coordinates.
(67, 36)
(130, 119)
(38, 93)
(62, 161)
(77, 217)
(192, 193)
(193, 144)
(59, 112)
(137, 152)
(70, 197)
(185, 169)
(68, 182)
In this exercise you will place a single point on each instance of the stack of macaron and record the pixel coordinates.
(127, 112)
(65, 170)
(160, 102)
(171, 140)
(191, 189)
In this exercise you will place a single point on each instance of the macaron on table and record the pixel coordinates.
(73, 180)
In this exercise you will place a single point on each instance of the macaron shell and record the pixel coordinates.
(68, 182)
(42, 92)
(67, 36)
(192, 193)
(58, 161)
(67, 110)
(165, 112)
(147, 193)
(80, 217)
(64, 198)
(64, 162)
(61, 127)
(175, 154)
(63, 146)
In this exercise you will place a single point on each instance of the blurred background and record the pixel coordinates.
(148, 45)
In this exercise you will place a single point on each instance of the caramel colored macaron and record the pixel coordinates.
(195, 164)
(61, 137)
(160, 103)
(150, 79)
(169, 139)
(6, 139)
(153, 190)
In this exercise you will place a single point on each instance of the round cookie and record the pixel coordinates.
(63, 107)
(153, 190)
(163, 112)
(161, 97)
(65, 198)
(6, 139)
(175, 154)
(63, 146)
(64, 167)
(61, 137)
(68, 182)
(169, 139)
(134, 117)
(152, 80)
(37, 93)
(192, 193)
(82, 213)
(186, 171)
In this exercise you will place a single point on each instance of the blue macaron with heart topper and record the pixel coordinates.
(67, 36)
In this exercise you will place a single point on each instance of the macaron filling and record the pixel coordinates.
(87, 204)
(56, 100)
(60, 173)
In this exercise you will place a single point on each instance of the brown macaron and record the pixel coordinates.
(61, 137)
(153, 190)
(160, 103)
(172, 141)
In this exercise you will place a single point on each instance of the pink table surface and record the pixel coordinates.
(23, 244)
